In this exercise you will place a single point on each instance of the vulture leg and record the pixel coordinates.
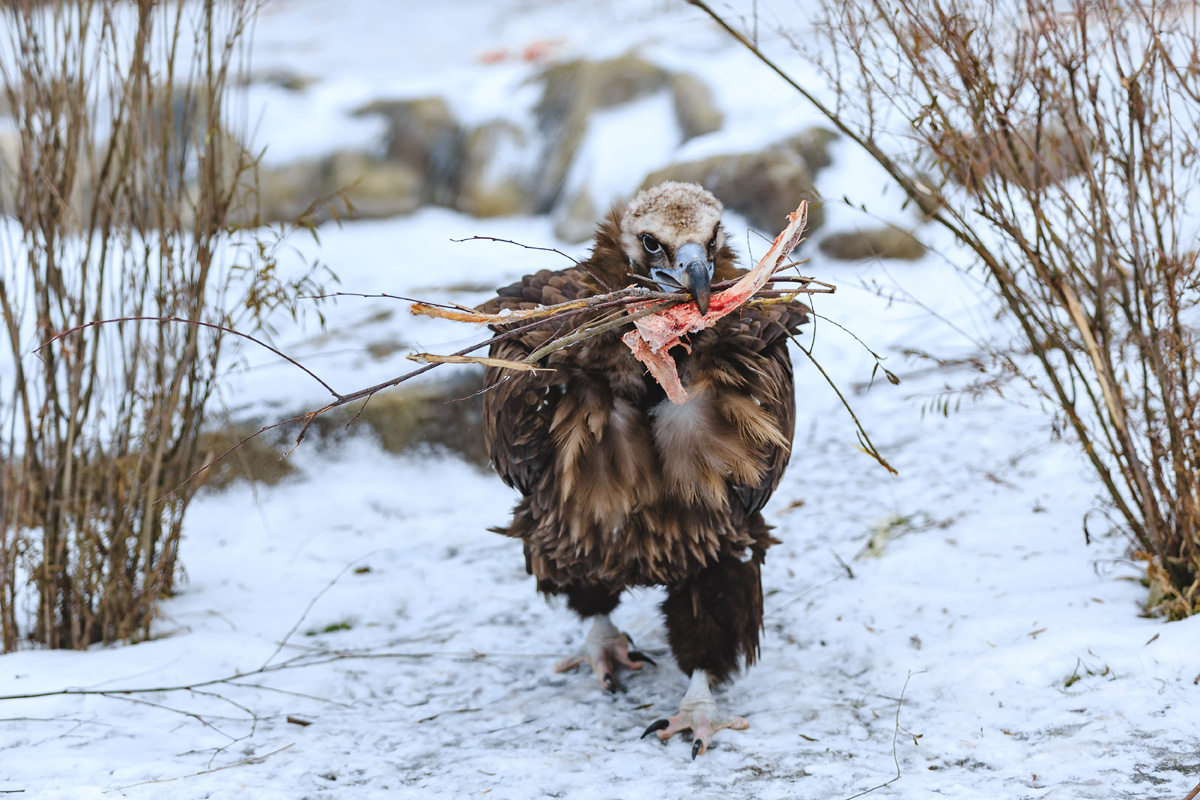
(698, 712)
(712, 620)
(605, 647)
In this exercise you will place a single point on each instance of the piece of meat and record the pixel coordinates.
(654, 335)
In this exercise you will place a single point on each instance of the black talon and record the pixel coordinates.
(696, 748)
(657, 725)
(609, 683)
(637, 655)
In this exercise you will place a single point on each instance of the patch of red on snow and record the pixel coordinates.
(533, 53)
(654, 335)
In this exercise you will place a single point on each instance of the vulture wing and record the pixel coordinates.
(762, 332)
(518, 406)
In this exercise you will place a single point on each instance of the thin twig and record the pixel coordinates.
(243, 763)
(867, 447)
(597, 330)
(895, 736)
(283, 642)
(518, 244)
(181, 321)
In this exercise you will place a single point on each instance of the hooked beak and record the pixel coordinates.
(692, 271)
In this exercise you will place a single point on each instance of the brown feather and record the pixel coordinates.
(622, 488)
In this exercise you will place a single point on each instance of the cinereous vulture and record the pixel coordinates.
(621, 487)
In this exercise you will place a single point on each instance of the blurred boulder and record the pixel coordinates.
(286, 192)
(423, 135)
(1062, 151)
(375, 189)
(695, 109)
(423, 163)
(574, 90)
(284, 79)
(886, 241)
(571, 92)
(495, 169)
(764, 187)
(575, 221)
(495, 177)
(812, 145)
(10, 156)
(372, 188)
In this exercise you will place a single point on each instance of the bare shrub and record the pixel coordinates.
(129, 168)
(1062, 144)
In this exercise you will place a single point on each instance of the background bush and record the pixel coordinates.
(129, 166)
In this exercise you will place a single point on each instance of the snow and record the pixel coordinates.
(951, 625)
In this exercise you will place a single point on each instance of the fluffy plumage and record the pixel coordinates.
(620, 487)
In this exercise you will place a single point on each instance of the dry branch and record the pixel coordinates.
(520, 366)
(1056, 143)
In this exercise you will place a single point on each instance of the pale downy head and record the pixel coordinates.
(671, 233)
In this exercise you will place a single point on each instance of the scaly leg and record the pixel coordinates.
(604, 649)
(713, 619)
(698, 712)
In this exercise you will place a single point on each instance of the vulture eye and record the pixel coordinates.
(713, 241)
(651, 244)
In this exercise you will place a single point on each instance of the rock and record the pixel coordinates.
(694, 107)
(423, 163)
(812, 145)
(576, 220)
(445, 415)
(424, 135)
(595, 84)
(887, 241)
(764, 187)
(571, 92)
(495, 176)
(284, 79)
(285, 193)
(257, 459)
(1062, 153)
(374, 189)
(10, 157)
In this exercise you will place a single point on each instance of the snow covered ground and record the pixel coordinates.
(357, 632)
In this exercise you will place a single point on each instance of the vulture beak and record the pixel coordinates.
(692, 271)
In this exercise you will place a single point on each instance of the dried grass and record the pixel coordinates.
(1061, 144)
(127, 175)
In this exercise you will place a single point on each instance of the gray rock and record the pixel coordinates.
(10, 155)
(694, 107)
(286, 192)
(374, 189)
(571, 92)
(424, 162)
(812, 145)
(424, 135)
(575, 222)
(284, 79)
(887, 241)
(371, 188)
(1062, 152)
(494, 182)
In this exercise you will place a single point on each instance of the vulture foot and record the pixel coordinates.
(698, 712)
(604, 649)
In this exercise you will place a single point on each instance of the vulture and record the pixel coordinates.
(619, 486)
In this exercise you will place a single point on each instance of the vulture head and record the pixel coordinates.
(671, 233)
